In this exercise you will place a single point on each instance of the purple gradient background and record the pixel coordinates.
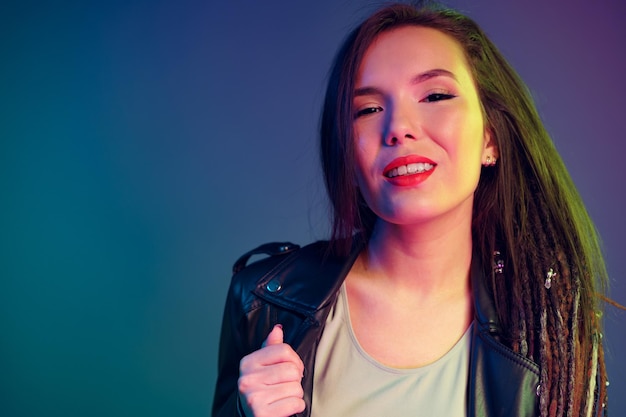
(144, 145)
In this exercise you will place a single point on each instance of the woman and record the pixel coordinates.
(463, 271)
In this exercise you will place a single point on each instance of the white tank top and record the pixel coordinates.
(349, 383)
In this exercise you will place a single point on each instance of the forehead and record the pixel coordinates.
(415, 49)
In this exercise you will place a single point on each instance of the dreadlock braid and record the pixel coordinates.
(542, 293)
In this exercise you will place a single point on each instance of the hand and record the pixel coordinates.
(270, 379)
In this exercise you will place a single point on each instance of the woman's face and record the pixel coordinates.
(419, 130)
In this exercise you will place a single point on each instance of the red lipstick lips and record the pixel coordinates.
(408, 179)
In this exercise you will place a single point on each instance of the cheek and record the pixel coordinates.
(361, 178)
(464, 137)
(365, 169)
(364, 153)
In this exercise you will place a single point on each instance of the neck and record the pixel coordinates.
(432, 258)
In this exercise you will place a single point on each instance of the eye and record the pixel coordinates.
(437, 97)
(368, 110)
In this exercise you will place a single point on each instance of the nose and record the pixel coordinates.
(401, 124)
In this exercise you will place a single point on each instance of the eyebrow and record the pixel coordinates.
(419, 78)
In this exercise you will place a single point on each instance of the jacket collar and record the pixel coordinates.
(485, 316)
(307, 280)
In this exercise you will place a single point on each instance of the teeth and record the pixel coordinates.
(418, 167)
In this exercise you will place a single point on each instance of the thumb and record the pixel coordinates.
(275, 337)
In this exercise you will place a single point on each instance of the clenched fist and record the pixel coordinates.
(270, 379)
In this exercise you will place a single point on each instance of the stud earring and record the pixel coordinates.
(490, 161)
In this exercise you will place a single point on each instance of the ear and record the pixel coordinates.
(490, 149)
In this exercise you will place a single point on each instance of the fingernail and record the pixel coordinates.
(280, 326)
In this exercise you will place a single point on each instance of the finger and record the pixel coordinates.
(268, 357)
(280, 373)
(275, 337)
(287, 406)
(266, 394)
(281, 400)
(264, 377)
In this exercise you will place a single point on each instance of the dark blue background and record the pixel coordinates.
(145, 144)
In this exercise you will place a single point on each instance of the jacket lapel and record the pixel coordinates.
(501, 382)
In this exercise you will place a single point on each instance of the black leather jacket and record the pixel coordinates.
(297, 287)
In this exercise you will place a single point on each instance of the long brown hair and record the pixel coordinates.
(526, 209)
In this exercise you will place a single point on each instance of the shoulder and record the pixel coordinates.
(300, 278)
(269, 259)
(272, 256)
